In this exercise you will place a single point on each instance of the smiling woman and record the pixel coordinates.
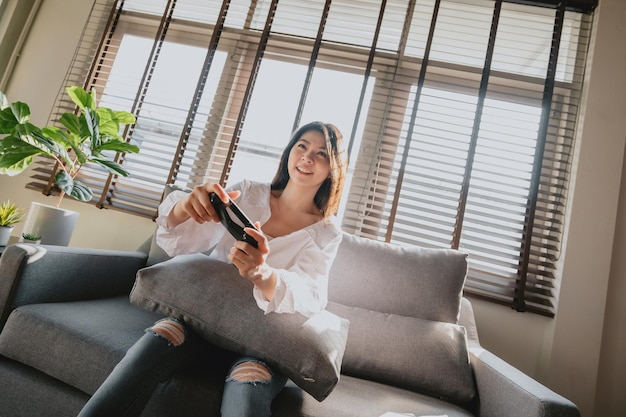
(296, 239)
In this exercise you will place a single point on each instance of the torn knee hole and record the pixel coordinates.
(250, 372)
(171, 330)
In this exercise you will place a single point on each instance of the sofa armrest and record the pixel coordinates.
(41, 273)
(506, 391)
(467, 320)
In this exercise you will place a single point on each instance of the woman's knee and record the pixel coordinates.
(170, 329)
(250, 371)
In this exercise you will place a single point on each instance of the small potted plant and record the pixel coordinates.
(91, 135)
(30, 238)
(10, 215)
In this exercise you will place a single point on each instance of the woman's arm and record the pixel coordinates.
(186, 237)
(302, 285)
(187, 221)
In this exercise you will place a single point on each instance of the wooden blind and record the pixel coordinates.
(462, 129)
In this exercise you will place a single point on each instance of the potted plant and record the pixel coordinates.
(30, 238)
(10, 215)
(91, 135)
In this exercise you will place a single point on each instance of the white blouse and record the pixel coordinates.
(301, 259)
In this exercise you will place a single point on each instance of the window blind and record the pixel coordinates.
(460, 114)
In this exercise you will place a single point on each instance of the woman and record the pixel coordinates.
(297, 242)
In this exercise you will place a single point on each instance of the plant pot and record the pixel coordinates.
(54, 225)
(5, 234)
(24, 240)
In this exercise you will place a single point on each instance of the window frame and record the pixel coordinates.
(243, 52)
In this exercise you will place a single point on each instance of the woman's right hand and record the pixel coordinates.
(197, 205)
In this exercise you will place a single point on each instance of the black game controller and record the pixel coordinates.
(234, 228)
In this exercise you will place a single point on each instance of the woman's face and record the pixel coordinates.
(309, 163)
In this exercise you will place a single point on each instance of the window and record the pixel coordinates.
(460, 114)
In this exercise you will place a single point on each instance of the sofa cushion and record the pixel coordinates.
(356, 397)
(408, 281)
(26, 392)
(78, 342)
(421, 355)
(211, 298)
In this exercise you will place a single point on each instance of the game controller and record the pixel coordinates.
(233, 227)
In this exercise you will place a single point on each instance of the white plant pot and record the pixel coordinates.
(22, 240)
(5, 234)
(54, 225)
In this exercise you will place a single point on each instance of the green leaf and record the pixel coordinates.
(71, 123)
(65, 140)
(59, 136)
(15, 155)
(64, 181)
(10, 214)
(81, 192)
(7, 121)
(111, 166)
(14, 144)
(7, 167)
(108, 124)
(91, 119)
(81, 98)
(27, 134)
(124, 117)
(33, 136)
(75, 189)
(21, 111)
(119, 146)
(13, 115)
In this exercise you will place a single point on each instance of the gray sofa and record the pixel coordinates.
(66, 320)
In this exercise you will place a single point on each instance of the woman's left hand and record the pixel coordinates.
(250, 261)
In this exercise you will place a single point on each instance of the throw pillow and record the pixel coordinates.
(212, 299)
(408, 281)
(422, 355)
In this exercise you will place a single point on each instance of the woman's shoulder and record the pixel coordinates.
(326, 232)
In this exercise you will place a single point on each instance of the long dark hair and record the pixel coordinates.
(329, 193)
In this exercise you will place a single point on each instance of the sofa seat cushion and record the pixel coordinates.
(408, 281)
(78, 343)
(26, 392)
(355, 397)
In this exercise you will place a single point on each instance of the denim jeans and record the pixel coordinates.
(126, 391)
(251, 398)
(153, 359)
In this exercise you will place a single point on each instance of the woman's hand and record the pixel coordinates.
(250, 262)
(197, 205)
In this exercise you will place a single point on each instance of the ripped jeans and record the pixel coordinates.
(249, 389)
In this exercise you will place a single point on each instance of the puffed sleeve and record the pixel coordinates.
(302, 286)
(187, 237)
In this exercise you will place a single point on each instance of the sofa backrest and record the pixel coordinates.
(403, 306)
(408, 281)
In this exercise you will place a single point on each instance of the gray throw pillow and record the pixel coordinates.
(408, 281)
(212, 299)
(422, 355)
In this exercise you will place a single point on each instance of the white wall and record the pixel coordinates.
(563, 353)
(37, 79)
